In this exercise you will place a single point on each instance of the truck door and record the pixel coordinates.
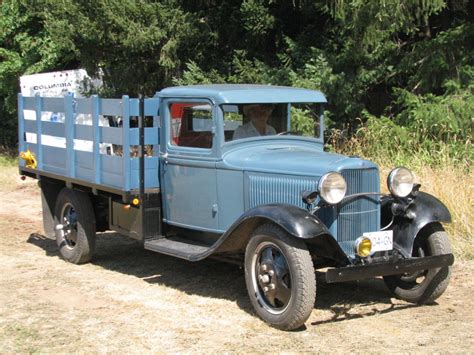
(188, 159)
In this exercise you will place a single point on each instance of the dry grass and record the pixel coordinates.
(132, 300)
(452, 183)
(8, 168)
(455, 188)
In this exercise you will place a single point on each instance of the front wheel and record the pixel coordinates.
(424, 286)
(280, 277)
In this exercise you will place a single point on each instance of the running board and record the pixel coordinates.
(179, 247)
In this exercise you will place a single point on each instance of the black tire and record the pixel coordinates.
(426, 286)
(76, 240)
(280, 277)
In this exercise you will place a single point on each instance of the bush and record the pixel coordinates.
(429, 130)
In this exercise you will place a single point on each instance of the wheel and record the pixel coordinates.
(75, 226)
(280, 277)
(424, 286)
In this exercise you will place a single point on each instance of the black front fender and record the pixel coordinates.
(296, 221)
(427, 209)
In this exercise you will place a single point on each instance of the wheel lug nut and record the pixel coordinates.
(265, 289)
(271, 286)
(264, 278)
(271, 273)
(264, 267)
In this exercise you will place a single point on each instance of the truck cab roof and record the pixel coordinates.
(244, 93)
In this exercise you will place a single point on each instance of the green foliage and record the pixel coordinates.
(430, 130)
(305, 121)
(136, 45)
(301, 121)
(371, 22)
(445, 119)
(442, 64)
(406, 68)
(25, 47)
(195, 75)
(256, 19)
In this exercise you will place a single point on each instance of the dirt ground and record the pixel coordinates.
(132, 300)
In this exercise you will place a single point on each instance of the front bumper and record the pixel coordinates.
(359, 272)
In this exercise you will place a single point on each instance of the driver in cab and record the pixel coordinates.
(257, 126)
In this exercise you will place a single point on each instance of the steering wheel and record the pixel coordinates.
(285, 133)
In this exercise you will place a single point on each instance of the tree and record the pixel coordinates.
(368, 57)
(25, 48)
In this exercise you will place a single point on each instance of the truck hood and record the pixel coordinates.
(290, 159)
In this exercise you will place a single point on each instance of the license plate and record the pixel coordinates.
(381, 241)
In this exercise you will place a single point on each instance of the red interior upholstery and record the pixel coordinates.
(195, 139)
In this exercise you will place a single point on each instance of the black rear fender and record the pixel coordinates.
(49, 192)
(297, 222)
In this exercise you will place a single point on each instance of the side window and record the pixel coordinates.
(191, 124)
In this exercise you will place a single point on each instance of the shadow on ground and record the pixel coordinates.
(214, 279)
(356, 299)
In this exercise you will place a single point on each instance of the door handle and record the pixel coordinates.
(165, 158)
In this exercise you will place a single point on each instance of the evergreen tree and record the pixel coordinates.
(388, 59)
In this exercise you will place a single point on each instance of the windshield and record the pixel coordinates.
(254, 120)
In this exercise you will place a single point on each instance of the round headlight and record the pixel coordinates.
(332, 188)
(400, 182)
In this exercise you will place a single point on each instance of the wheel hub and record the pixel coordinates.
(69, 225)
(273, 278)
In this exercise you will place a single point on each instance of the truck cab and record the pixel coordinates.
(239, 173)
(205, 171)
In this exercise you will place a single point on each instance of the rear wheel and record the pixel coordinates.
(280, 277)
(427, 285)
(75, 226)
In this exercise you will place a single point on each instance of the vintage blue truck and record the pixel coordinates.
(236, 172)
